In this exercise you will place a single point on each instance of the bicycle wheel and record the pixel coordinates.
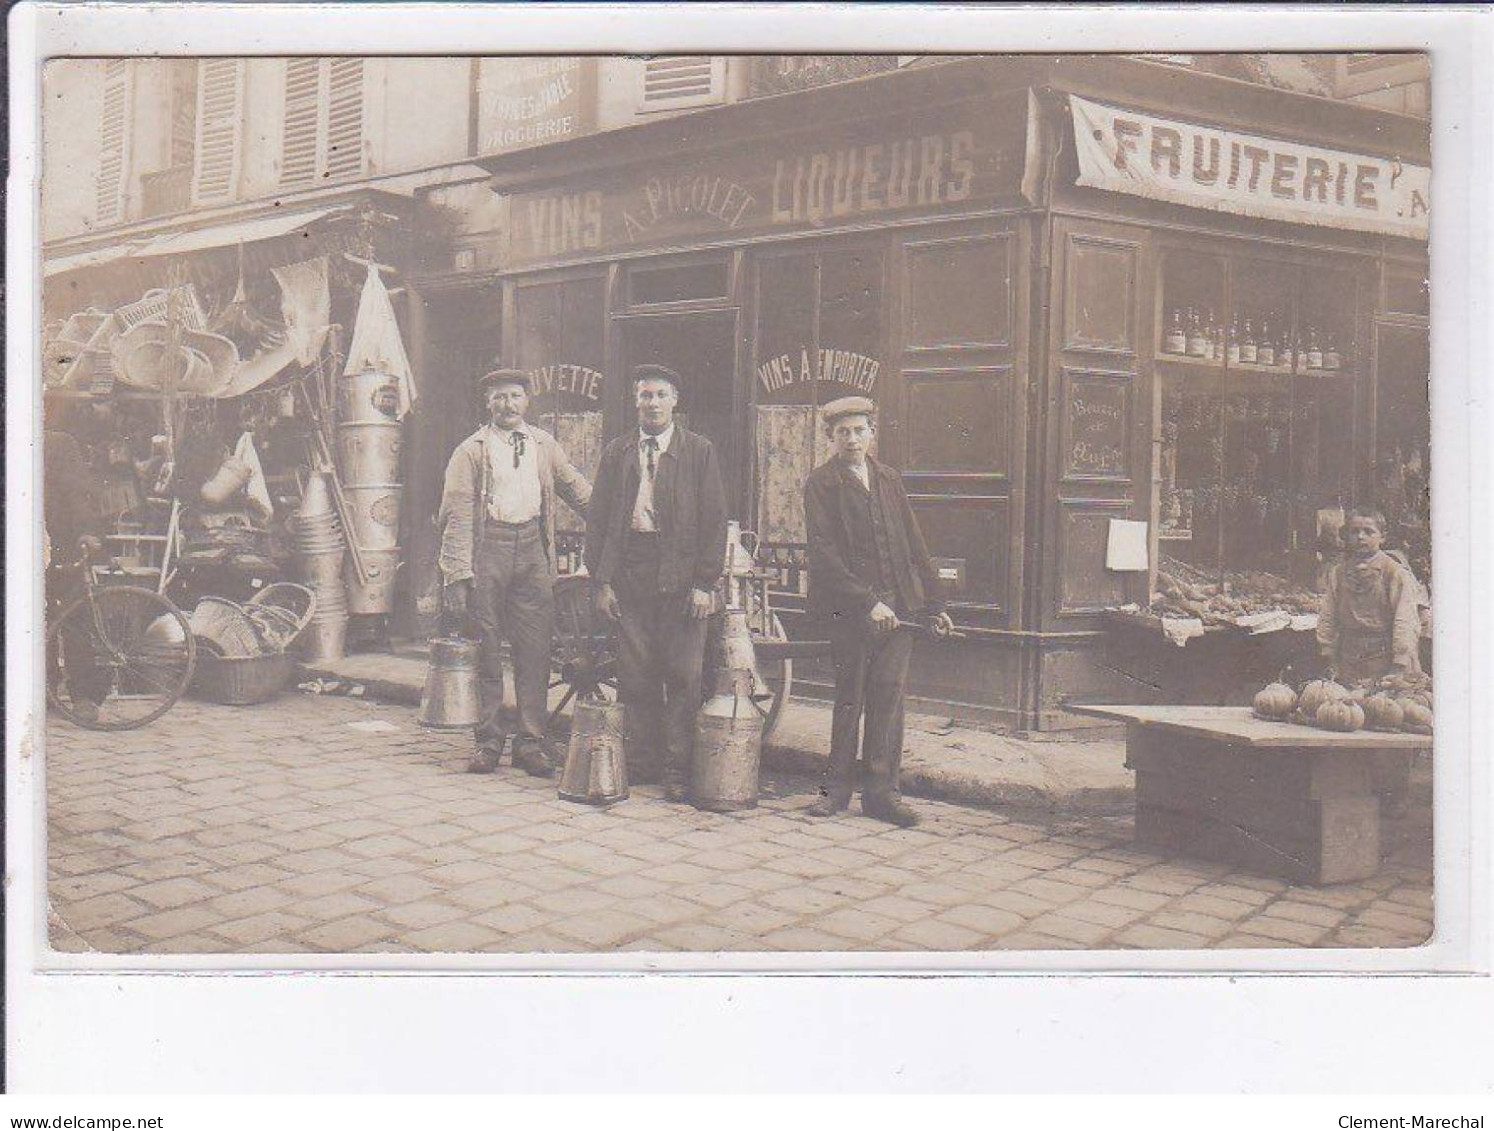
(121, 656)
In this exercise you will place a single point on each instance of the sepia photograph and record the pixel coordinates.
(737, 504)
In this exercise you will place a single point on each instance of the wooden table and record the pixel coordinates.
(1285, 799)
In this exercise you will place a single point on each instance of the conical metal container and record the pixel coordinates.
(596, 768)
(728, 754)
(450, 700)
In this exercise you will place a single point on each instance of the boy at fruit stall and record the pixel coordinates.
(1369, 625)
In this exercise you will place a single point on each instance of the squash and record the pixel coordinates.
(1381, 712)
(1417, 719)
(1340, 714)
(1275, 701)
(1318, 692)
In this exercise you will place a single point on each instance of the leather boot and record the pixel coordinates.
(833, 800)
(889, 809)
(532, 759)
(484, 762)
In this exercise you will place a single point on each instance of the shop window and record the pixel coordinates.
(1256, 362)
(959, 293)
(680, 282)
(1407, 292)
(114, 142)
(559, 343)
(322, 138)
(819, 336)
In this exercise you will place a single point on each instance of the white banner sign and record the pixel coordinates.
(1203, 167)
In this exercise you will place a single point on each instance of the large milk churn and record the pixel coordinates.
(450, 700)
(728, 753)
(596, 769)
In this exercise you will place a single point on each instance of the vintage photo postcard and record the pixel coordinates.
(931, 494)
(725, 503)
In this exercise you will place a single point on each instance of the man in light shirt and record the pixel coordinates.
(497, 523)
(655, 548)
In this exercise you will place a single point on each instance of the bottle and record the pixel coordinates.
(1232, 347)
(1216, 342)
(1332, 359)
(1198, 345)
(1265, 352)
(1175, 341)
(1314, 349)
(1249, 350)
(1287, 353)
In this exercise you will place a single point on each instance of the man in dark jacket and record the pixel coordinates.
(655, 548)
(869, 575)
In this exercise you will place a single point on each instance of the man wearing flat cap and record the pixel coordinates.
(655, 548)
(497, 523)
(870, 579)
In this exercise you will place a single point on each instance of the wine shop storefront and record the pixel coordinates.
(934, 238)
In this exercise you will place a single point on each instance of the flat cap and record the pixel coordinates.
(848, 406)
(657, 373)
(504, 377)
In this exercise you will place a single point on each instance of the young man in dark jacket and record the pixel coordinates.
(869, 574)
(655, 548)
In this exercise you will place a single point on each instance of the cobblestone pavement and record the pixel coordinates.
(338, 825)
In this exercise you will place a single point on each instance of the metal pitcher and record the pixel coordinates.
(450, 700)
(596, 769)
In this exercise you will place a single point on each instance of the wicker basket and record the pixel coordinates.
(297, 600)
(225, 624)
(240, 681)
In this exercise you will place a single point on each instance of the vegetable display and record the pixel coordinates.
(1402, 701)
(1184, 591)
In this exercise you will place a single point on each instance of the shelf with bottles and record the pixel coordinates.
(1252, 343)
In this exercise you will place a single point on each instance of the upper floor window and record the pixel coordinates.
(323, 137)
(678, 82)
(218, 130)
(114, 142)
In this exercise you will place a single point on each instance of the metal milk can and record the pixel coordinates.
(451, 700)
(596, 769)
(728, 754)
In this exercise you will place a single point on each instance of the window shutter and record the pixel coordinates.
(298, 151)
(345, 119)
(323, 139)
(114, 138)
(220, 97)
(674, 82)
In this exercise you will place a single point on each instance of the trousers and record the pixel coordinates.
(870, 674)
(513, 599)
(660, 652)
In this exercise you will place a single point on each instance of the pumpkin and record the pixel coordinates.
(1275, 701)
(1340, 714)
(1417, 719)
(1381, 712)
(1318, 692)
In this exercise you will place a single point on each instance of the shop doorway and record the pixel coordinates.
(701, 348)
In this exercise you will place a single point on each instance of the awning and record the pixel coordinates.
(205, 239)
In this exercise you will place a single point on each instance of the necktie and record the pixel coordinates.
(650, 446)
(518, 441)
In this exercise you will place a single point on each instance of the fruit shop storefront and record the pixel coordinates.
(923, 237)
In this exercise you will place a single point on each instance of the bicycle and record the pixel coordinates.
(119, 656)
